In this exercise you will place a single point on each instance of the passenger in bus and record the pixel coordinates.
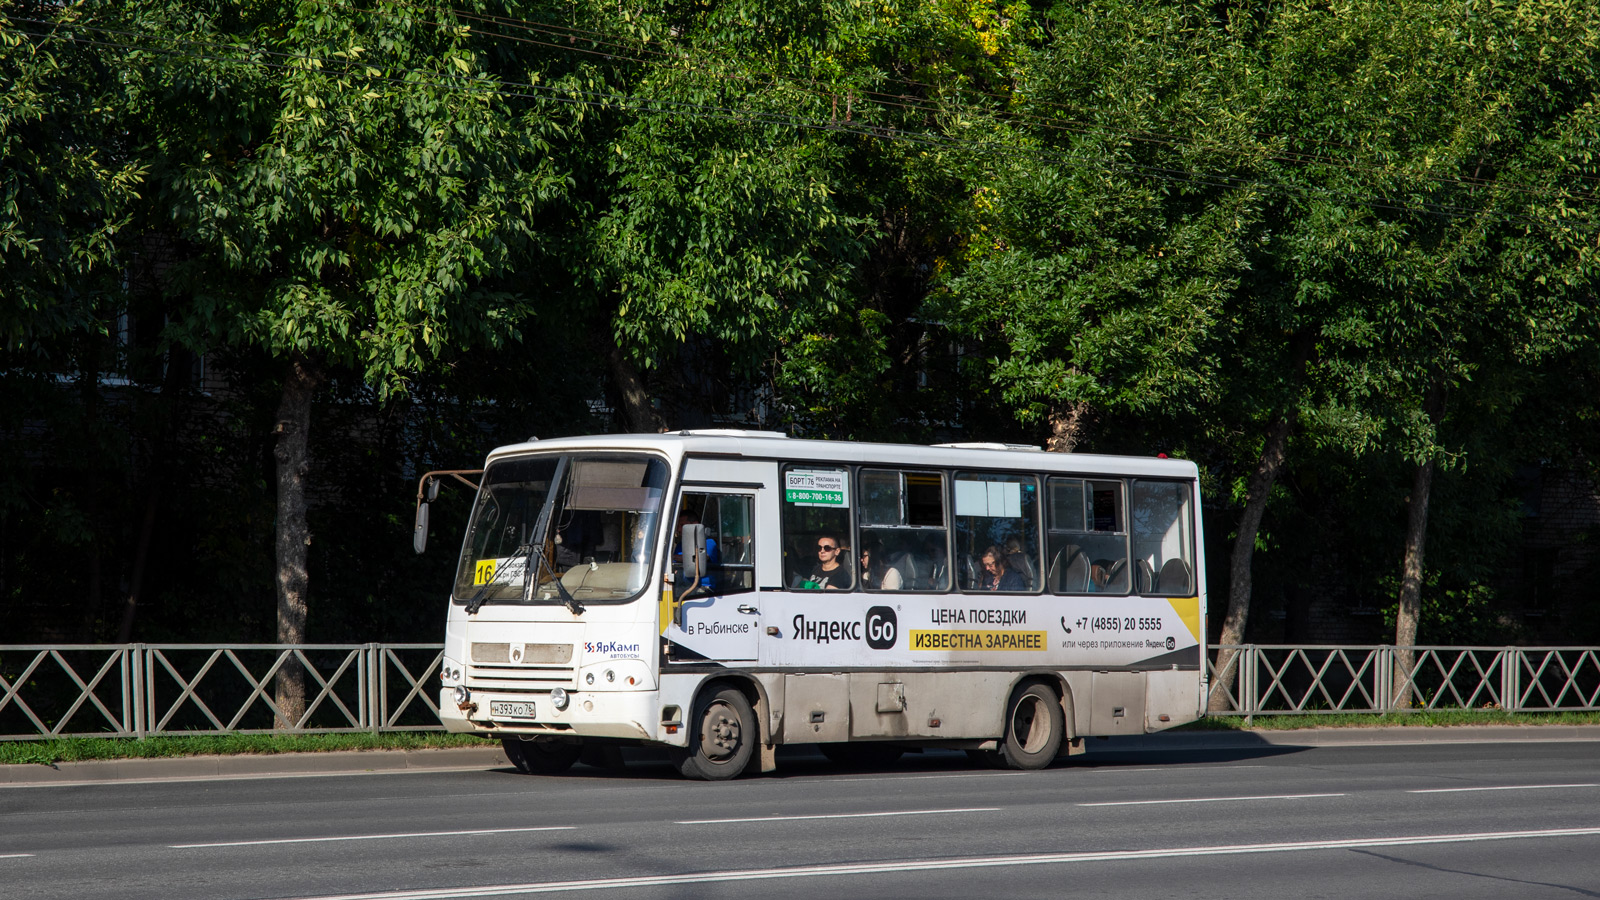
(997, 575)
(876, 573)
(1100, 575)
(831, 573)
(1017, 560)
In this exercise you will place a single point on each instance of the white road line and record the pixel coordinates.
(929, 865)
(369, 837)
(871, 815)
(1508, 787)
(14, 855)
(1208, 800)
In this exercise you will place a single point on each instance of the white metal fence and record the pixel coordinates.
(1276, 679)
(134, 690)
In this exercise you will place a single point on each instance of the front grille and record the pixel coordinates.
(521, 653)
(514, 679)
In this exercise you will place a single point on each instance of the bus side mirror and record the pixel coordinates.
(419, 532)
(696, 563)
(433, 489)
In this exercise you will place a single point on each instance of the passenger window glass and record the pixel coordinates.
(997, 527)
(904, 544)
(1163, 538)
(1087, 544)
(729, 551)
(816, 529)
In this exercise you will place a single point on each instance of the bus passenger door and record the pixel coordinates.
(718, 618)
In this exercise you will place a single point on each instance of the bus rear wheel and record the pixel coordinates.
(1035, 727)
(723, 739)
(541, 757)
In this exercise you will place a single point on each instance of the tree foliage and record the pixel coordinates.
(1318, 247)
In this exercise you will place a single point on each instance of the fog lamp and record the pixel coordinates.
(558, 698)
(461, 695)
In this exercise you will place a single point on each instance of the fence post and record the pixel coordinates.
(1383, 679)
(1510, 679)
(140, 700)
(1247, 683)
(376, 713)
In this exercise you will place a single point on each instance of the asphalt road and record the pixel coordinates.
(1443, 820)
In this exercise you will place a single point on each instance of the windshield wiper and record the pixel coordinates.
(567, 600)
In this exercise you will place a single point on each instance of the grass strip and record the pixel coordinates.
(1440, 718)
(79, 749)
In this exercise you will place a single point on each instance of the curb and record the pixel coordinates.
(275, 765)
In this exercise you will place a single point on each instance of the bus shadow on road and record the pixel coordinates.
(803, 761)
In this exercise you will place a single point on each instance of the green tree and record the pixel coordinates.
(352, 190)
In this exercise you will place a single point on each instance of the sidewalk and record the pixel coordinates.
(468, 759)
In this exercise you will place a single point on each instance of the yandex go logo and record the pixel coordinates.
(882, 628)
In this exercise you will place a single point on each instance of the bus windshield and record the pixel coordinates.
(587, 519)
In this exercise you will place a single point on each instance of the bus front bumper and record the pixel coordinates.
(629, 715)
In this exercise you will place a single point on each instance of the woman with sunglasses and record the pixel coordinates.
(831, 573)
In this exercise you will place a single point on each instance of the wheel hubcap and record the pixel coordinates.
(719, 732)
(1026, 726)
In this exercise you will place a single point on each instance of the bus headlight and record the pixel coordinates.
(461, 695)
(558, 698)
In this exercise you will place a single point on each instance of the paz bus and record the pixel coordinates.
(721, 593)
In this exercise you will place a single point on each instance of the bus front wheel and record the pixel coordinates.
(723, 739)
(541, 757)
(1035, 727)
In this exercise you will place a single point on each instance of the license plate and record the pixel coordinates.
(507, 709)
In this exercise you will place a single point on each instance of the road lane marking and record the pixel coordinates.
(927, 865)
(871, 815)
(369, 837)
(1507, 787)
(14, 855)
(1209, 799)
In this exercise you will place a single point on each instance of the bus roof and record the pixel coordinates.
(775, 446)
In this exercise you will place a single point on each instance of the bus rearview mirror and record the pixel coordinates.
(696, 563)
(419, 533)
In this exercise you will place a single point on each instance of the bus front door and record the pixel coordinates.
(717, 618)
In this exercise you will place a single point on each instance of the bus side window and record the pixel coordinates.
(816, 529)
(902, 530)
(1163, 538)
(996, 530)
(1087, 548)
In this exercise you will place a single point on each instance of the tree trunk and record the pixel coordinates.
(637, 411)
(147, 528)
(1244, 548)
(1409, 611)
(293, 533)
